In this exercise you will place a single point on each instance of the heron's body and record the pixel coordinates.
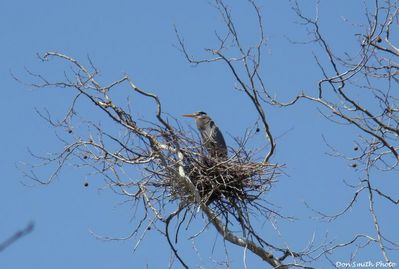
(212, 137)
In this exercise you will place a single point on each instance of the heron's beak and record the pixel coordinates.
(189, 115)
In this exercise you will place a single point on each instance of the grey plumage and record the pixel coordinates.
(212, 137)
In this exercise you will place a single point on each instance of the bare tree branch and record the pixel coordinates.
(16, 236)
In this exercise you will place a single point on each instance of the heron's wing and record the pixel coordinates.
(211, 134)
(218, 138)
(213, 139)
(217, 141)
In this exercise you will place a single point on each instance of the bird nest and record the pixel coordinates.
(226, 185)
(229, 180)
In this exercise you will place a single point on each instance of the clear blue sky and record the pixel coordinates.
(137, 37)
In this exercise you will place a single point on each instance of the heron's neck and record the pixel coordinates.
(202, 124)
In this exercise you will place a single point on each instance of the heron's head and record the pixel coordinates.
(202, 119)
(197, 115)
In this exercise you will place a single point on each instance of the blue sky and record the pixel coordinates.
(137, 37)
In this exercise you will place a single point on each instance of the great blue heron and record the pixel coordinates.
(211, 136)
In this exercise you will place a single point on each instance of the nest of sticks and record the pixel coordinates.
(225, 185)
(228, 180)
